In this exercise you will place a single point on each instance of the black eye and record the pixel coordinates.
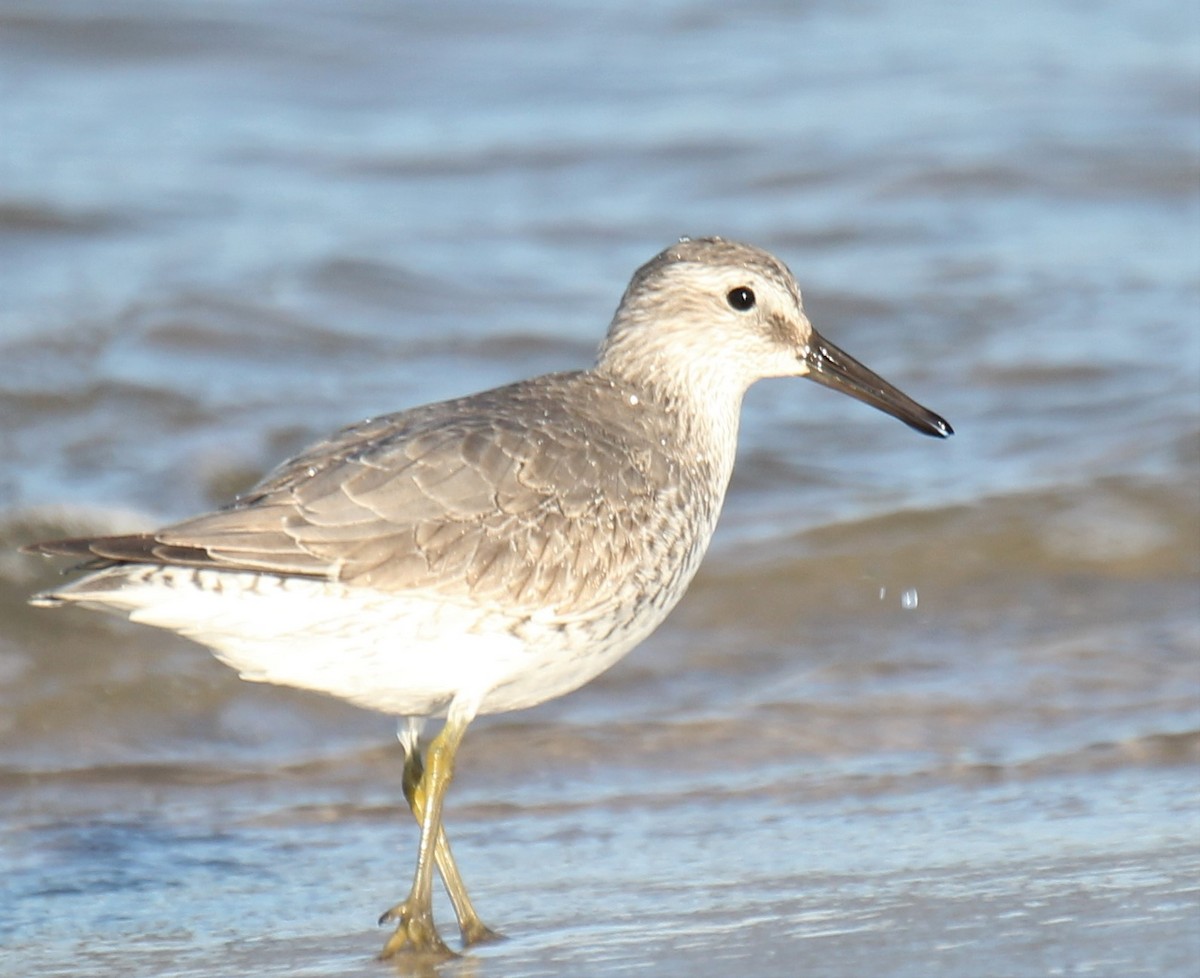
(741, 298)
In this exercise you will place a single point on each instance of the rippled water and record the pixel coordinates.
(930, 708)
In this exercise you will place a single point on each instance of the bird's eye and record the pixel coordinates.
(741, 298)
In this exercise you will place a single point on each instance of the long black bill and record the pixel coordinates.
(833, 368)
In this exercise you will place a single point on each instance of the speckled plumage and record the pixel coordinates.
(539, 494)
(490, 552)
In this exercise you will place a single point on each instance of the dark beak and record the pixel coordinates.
(831, 367)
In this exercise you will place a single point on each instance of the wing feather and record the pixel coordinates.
(543, 493)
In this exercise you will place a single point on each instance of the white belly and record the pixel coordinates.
(407, 654)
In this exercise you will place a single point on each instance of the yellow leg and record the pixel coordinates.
(472, 928)
(415, 930)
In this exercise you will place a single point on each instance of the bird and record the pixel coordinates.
(494, 551)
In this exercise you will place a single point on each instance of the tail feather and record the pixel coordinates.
(133, 548)
(70, 547)
(96, 554)
(104, 588)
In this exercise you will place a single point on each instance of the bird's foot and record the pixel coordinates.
(477, 932)
(415, 933)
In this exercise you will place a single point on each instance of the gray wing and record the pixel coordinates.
(535, 504)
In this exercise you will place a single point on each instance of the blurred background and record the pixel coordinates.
(931, 708)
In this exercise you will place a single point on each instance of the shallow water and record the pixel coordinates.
(931, 708)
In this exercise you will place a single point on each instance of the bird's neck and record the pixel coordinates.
(700, 414)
